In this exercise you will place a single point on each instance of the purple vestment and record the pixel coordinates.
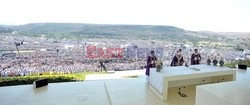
(151, 62)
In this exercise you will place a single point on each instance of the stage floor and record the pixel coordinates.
(129, 91)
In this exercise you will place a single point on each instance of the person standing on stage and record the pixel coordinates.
(151, 62)
(195, 58)
(178, 59)
(102, 66)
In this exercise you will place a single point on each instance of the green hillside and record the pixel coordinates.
(75, 30)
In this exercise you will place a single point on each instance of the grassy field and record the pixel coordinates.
(234, 63)
(22, 80)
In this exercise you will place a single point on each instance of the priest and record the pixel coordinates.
(195, 58)
(178, 59)
(151, 63)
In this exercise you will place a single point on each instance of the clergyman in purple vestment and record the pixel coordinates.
(151, 62)
(195, 58)
(178, 59)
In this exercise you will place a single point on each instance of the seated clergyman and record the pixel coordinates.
(195, 58)
(177, 60)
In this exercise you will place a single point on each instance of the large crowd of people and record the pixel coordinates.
(40, 56)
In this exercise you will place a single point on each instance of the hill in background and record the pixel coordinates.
(79, 31)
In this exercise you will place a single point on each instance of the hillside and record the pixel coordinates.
(76, 30)
(5, 29)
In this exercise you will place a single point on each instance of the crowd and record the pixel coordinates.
(56, 58)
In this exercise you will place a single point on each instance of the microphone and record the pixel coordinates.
(180, 93)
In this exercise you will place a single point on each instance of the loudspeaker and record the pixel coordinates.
(40, 83)
(242, 67)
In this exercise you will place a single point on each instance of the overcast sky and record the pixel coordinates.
(196, 15)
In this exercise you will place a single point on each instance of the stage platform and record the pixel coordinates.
(129, 91)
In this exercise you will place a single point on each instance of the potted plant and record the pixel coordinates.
(159, 65)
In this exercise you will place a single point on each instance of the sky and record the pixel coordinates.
(195, 15)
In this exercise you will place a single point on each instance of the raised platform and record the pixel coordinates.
(228, 93)
(130, 91)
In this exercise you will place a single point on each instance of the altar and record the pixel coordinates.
(159, 82)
